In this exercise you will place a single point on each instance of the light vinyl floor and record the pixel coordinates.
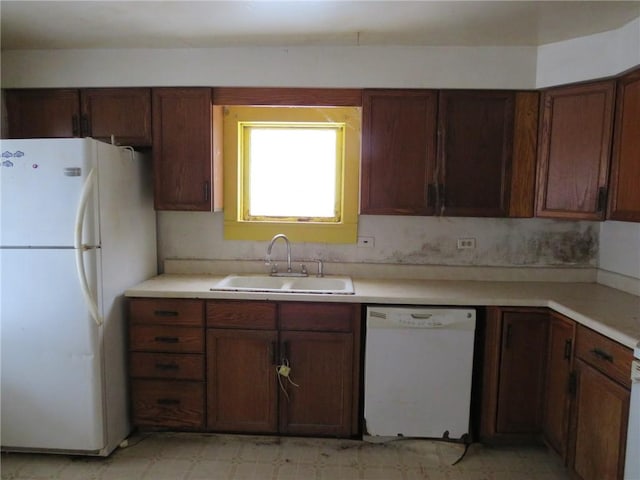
(193, 456)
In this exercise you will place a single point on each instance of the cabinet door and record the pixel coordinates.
(124, 113)
(475, 142)
(398, 151)
(600, 425)
(574, 151)
(522, 368)
(624, 198)
(182, 155)
(48, 113)
(241, 380)
(555, 423)
(322, 367)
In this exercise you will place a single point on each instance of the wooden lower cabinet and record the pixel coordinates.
(514, 368)
(247, 342)
(600, 425)
(322, 368)
(167, 404)
(600, 409)
(558, 385)
(241, 380)
(166, 363)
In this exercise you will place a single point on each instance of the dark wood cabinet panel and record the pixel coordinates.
(318, 341)
(166, 363)
(322, 367)
(100, 113)
(121, 113)
(522, 368)
(475, 142)
(523, 161)
(398, 151)
(557, 399)
(241, 380)
(43, 113)
(599, 425)
(326, 317)
(182, 148)
(574, 151)
(240, 314)
(624, 195)
(449, 152)
(166, 311)
(611, 358)
(167, 404)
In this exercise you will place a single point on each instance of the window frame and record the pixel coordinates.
(342, 231)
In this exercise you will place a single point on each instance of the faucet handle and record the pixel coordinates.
(320, 268)
(303, 269)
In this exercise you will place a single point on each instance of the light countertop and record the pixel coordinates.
(611, 312)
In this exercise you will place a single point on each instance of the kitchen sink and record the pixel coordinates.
(265, 283)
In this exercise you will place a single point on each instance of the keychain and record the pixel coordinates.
(284, 370)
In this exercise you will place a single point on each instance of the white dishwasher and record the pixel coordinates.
(418, 369)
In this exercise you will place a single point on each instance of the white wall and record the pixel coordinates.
(593, 56)
(419, 67)
(401, 240)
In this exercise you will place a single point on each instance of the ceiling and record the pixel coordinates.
(194, 24)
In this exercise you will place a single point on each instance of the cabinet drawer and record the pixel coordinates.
(166, 311)
(176, 366)
(149, 338)
(604, 354)
(326, 317)
(247, 315)
(158, 403)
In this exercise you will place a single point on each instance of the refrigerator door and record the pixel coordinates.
(51, 368)
(41, 181)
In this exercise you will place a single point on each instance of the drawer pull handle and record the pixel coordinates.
(167, 339)
(167, 366)
(168, 401)
(165, 313)
(602, 355)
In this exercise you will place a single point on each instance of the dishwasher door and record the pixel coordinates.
(418, 368)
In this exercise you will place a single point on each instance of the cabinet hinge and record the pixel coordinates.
(573, 383)
(602, 199)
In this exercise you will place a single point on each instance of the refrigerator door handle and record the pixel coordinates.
(80, 248)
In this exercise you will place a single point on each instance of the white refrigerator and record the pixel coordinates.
(77, 228)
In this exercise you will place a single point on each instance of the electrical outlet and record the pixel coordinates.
(366, 242)
(466, 243)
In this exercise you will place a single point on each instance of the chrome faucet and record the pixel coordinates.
(274, 268)
(286, 240)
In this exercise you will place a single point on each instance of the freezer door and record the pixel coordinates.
(51, 371)
(41, 181)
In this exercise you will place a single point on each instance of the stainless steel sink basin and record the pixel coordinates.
(265, 283)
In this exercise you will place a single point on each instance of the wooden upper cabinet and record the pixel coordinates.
(624, 196)
(574, 150)
(182, 148)
(43, 113)
(453, 153)
(475, 140)
(124, 113)
(398, 151)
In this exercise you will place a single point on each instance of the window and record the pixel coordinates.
(291, 170)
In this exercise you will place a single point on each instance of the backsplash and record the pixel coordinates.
(400, 240)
